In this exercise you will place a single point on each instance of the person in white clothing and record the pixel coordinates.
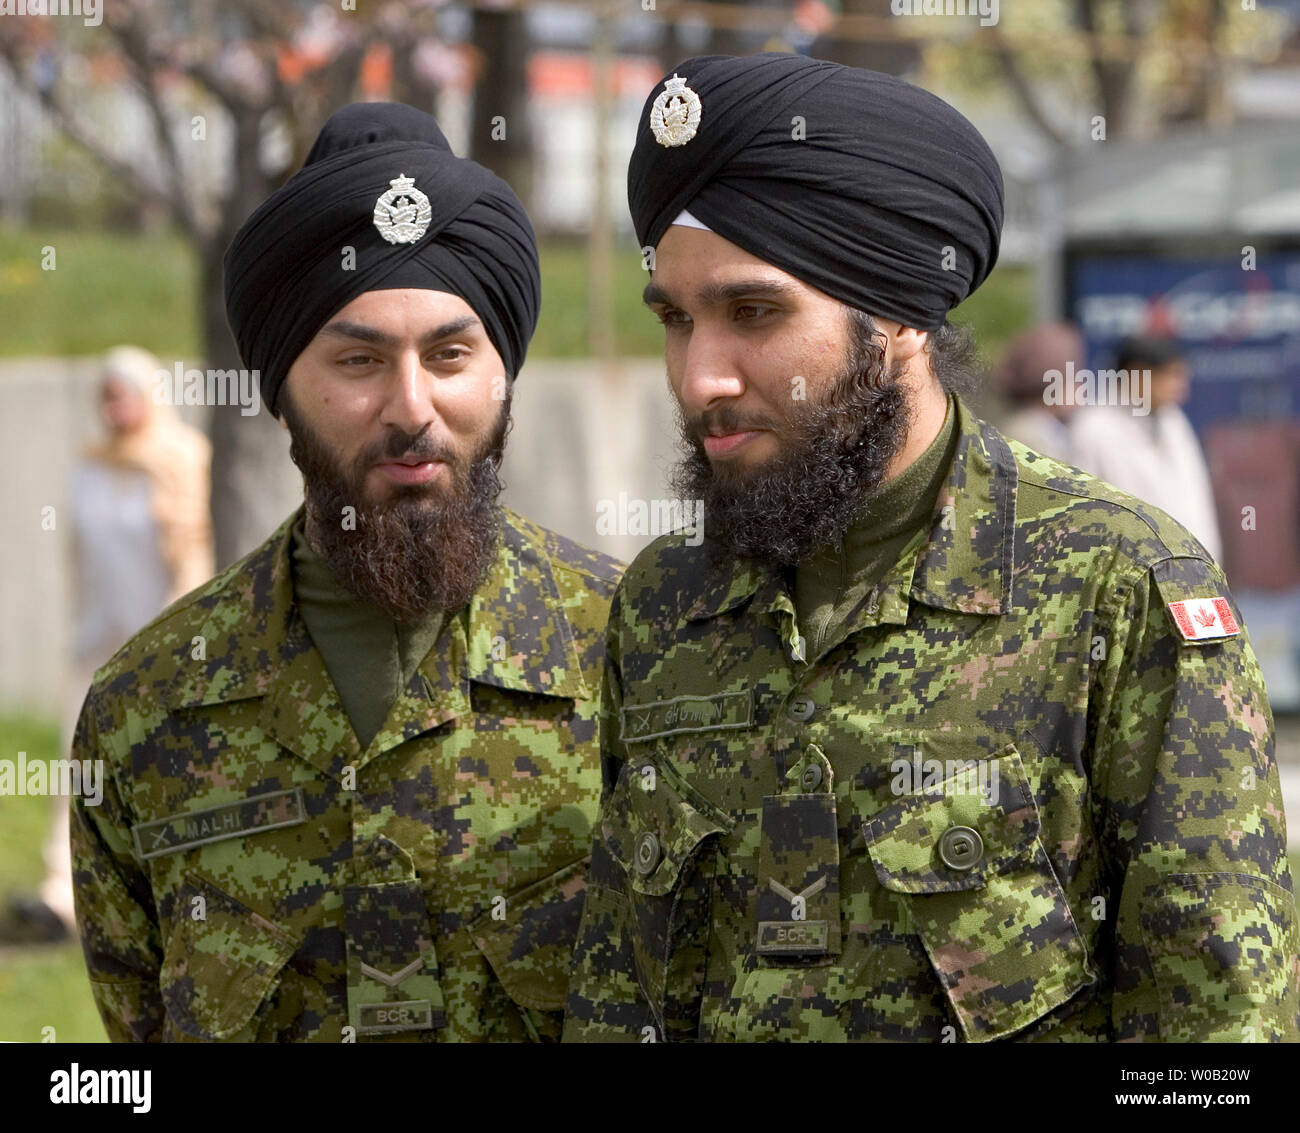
(142, 537)
(1148, 447)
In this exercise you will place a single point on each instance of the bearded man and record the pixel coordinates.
(350, 781)
(934, 738)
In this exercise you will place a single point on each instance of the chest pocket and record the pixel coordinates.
(220, 964)
(530, 950)
(660, 831)
(982, 895)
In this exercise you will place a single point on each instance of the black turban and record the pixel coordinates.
(284, 270)
(863, 208)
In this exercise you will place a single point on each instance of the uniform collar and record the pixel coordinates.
(519, 637)
(965, 563)
(968, 562)
(256, 644)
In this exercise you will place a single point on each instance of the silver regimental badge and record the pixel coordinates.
(675, 115)
(402, 214)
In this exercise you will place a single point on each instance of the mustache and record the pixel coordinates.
(397, 445)
(727, 419)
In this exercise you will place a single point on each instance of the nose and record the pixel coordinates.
(408, 405)
(708, 372)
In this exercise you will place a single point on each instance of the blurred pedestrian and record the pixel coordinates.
(142, 537)
(140, 510)
(1021, 377)
(1155, 455)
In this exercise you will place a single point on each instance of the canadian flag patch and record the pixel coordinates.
(1199, 619)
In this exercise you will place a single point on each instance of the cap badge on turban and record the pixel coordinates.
(469, 237)
(675, 115)
(869, 208)
(402, 214)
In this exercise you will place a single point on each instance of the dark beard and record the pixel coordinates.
(833, 454)
(422, 549)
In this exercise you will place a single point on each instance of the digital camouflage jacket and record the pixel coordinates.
(1027, 792)
(252, 874)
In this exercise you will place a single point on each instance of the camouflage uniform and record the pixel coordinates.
(1007, 799)
(252, 874)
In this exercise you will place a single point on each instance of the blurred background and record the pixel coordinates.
(1151, 152)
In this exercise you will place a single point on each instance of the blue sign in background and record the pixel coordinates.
(1240, 329)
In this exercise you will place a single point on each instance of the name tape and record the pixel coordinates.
(215, 823)
(685, 714)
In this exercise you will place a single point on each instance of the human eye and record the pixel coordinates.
(450, 355)
(672, 317)
(752, 312)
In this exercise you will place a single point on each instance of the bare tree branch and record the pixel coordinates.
(132, 37)
(277, 93)
(341, 73)
(1030, 103)
(268, 20)
(81, 135)
(1114, 76)
(202, 72)
(326, 88)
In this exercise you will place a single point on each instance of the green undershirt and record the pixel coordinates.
(370, 657)
(832, 583)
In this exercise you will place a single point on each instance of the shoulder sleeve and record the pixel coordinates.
(1187, 807)
(605, 1003)
(115, 911)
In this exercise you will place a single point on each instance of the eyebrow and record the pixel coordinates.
(341, 328)
(712, 294)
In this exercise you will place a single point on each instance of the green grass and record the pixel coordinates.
(1002, 307)
(110, 287)
(47, 987)
(42, 985)
(23, 819)
(118, 287)
(106, 288)
(563, 328)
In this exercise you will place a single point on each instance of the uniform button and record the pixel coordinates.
(961, 848)
(812, 777)
(647, 854)
(801, 709)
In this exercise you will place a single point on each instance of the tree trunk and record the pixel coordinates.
(895, 57)
(254, 484)
(409, 86)
(671, 52)
(502, 92)
(735, 37)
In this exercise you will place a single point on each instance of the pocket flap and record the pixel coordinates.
(531, 948)
(218, 966)
(653, 823)
(393, 977)
(912, 842)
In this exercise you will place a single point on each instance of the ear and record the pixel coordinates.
(906, 342)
